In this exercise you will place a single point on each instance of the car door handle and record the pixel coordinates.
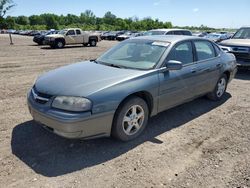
(219, 65)
(207, 70)
(194, 70)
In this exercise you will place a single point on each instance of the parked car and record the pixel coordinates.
(200, 34)
(168, 32)
(72, 36)
(138, 78)
(128, 35)
(113, 35)
(40, 39)
(104, 35)
(216, 37)
(239, 45)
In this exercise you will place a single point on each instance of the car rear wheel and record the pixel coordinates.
(220, 89)
(92, 42)
(130, 119)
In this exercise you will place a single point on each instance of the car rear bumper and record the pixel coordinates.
(86, 126)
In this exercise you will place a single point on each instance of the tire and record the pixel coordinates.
(220, 89)
(52, 46)
(130, 119)
(43, 42)
(92, 42)
(59, 44)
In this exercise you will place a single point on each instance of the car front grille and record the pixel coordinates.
(39, 97)
(245, 56)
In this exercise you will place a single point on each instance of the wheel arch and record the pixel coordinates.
(145, 95)
(227, 73)
(93, 38)
(61, 39)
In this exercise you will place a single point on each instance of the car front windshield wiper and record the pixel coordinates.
(94, 60)
(113, 65)
(107, 64)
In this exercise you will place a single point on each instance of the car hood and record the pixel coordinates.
(83, 79)
(236, 42)
(55, 36)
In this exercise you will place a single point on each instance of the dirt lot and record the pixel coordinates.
(198, 144)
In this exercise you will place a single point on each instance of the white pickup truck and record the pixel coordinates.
(72, 36)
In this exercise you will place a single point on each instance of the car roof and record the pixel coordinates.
(168, 38)
(172, 29)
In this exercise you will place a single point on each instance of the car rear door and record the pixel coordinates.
(208, 66)
(70, 37)
(177, 86)
(79, 37)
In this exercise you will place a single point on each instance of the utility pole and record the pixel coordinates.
(11, 43)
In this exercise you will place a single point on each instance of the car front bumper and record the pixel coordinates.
(84, 125)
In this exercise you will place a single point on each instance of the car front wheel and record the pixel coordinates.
(59, 44)
(130, 119)
(220, 89)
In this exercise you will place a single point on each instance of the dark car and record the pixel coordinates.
(239, 45)
(40, 39)
(113, 35)
(117, 93)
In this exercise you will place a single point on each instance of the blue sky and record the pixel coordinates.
(213, 13)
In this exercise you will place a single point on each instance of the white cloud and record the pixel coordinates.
(156, 3)
(161, 2)
(196, 10)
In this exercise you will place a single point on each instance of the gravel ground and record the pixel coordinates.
(198, 144)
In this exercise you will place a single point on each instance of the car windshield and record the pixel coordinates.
(134, 54)
(243, 33)
(62, 32)
(148, 33)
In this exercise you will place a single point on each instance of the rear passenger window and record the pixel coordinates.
(78, 32)
(170, 33)
(71, 32)
(204, 49)
(182, 52)
(178, 33)
(187, 33)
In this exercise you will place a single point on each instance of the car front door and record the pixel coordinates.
(79, 37)
(70, 37)
(177, 86)
(208, 66)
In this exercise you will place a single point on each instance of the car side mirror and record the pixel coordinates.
(173, 65)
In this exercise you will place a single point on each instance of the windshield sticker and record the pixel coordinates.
(164, 44)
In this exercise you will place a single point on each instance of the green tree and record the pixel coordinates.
(10, 22)
(5, 6)
(36, 20)
(109, 18)
(22, 20)
(88, 17)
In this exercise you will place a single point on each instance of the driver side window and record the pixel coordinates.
(182, 52)
(71, 32)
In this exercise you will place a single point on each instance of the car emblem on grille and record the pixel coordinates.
(36, 97)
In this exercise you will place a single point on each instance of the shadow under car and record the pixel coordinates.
(51, 155)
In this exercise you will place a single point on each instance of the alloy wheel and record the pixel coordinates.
(133, 120)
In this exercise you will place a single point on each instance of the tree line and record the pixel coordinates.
(86, 20)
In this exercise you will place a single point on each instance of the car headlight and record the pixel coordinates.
(75, 104)
(226, 48)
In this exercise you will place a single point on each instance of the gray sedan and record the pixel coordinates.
(137, 79)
